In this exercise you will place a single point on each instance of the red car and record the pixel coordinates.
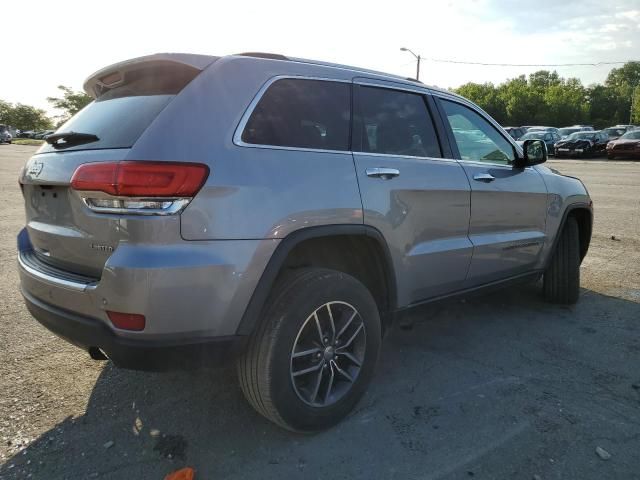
(628, 145)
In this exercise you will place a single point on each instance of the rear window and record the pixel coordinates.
(303, 114)
(120, 115)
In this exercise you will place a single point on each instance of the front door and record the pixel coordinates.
(508, 205)
(416, 198)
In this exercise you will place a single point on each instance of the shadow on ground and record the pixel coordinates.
(504, 386)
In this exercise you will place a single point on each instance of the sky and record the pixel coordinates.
(63, 42)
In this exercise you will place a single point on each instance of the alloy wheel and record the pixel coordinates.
(327, 354)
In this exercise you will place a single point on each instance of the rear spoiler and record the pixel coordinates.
(114, 75)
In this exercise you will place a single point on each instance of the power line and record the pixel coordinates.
(596, 64)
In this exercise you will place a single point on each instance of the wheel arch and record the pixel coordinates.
(583, 213)
(584, 217)
(374, 257)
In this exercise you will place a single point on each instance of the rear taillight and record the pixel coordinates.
(151, 188)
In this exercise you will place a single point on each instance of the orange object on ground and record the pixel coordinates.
(186, 473)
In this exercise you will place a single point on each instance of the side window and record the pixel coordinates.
(476, 138)
(302, 113)
(396, 123)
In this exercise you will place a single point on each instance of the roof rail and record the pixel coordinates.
(413, 80)
(271, 56)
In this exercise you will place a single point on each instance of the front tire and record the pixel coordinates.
(561, 281)
(313, 354)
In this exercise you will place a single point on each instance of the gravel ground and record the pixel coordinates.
(503, 386)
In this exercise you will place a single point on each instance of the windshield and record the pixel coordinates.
(533, 136)
(635, 135)
(582, 136)
(615, 132)
(568, 131)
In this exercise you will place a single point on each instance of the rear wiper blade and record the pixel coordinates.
(67, 139)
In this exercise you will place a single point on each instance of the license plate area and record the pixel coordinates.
(48, 203)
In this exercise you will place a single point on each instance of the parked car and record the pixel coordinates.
(5, 135)
(628, 145)
(26, 134)
(549, 138)
(42, 135)
(566, 131)
(285, 226)
(616, 132)
(582, 144)
(584, 128)
(515, 132)
(544, 129)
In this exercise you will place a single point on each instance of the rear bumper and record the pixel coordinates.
(184, 288)
(192, 294)
(138, 354)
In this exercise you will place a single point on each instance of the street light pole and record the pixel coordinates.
(418, 58)
(633, 101)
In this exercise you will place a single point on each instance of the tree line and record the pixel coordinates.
(542, 98)
(27, 117)
(545, 98)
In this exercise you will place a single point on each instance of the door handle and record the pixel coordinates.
(484, 177)
(382, 172)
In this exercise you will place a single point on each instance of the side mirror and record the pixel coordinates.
(535, 152)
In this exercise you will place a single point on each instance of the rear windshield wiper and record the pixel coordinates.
(68, 139)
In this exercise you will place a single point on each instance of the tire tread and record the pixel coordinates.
(562, 277)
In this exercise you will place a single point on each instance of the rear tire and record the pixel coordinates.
(303, 305)
(561, 281)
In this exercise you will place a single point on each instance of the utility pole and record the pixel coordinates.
(633, 102)
(418, 58)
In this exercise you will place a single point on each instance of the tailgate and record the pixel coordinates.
(64, 231)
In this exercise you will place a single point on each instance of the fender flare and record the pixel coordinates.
(565, 215)
(267, 280)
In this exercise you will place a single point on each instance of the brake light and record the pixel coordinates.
(138, 187)
(127, 321)
(141, 179)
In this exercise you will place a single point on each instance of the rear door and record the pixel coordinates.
(415, 197)
(508, 205)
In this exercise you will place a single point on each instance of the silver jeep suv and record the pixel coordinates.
(282, 211)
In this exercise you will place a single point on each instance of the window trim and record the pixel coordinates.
(237, 135)
(439, 96)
